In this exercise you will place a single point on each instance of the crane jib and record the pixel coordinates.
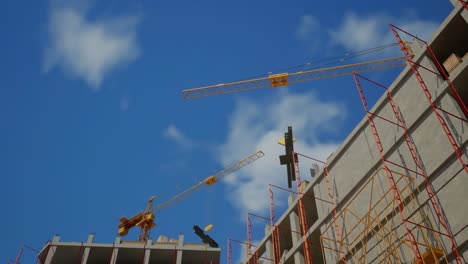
(285, 79)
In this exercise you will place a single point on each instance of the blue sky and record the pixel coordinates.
(94, 122)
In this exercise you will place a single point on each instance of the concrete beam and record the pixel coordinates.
(115, 251)
(268, 244)
(52, 249)
(87, 249)
(180, 245)
(147, 252)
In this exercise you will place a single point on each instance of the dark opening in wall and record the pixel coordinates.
(451, 41)
(315, 244)
(285, 236)
(451, 49)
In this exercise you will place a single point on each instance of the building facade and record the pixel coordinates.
(396, 189)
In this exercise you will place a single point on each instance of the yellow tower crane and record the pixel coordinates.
(145, 219)
(285, 79)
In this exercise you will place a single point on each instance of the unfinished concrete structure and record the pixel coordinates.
(162, 251)
(395, 191)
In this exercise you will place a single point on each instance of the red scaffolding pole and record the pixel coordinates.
(302, 211)
(229, 255)
(412, 149)
(144, 253)
(18, 257)
(79, 257)
(274, 231)
(249, 234)
(330, 192)
(464, 3)
(414, 66)
(391, 179)
(256, 257)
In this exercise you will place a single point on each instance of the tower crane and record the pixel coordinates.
(145, 219)
(285, 79)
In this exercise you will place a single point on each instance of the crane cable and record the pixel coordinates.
(329, 61)
(209, 206)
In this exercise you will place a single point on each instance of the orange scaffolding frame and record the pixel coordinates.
(370, 218)
(412, 149)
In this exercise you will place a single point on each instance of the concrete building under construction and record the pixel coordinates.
(395, 190)
(164, 250)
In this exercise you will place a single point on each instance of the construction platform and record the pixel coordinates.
(162, 251)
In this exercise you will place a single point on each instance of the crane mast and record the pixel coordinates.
(145, 219)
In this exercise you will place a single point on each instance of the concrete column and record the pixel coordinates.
(269, 244)
(295, 224)
(147, 252)
(52, 249)
(84, 260)
(115, 251)
(180, 245)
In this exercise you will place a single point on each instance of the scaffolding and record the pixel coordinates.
(437, 110)
(441, 74)
(302, 229)
(331, 195)
(371, 217)
(21, 251)
(393, 215)
(399, 197)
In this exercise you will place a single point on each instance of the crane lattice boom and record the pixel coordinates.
(145, 220)
(284, 79)
(211, 180)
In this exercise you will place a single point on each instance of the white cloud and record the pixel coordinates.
(89, 49)
(358, 32)
(178, 137)
(258, 126)
(307, 26)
